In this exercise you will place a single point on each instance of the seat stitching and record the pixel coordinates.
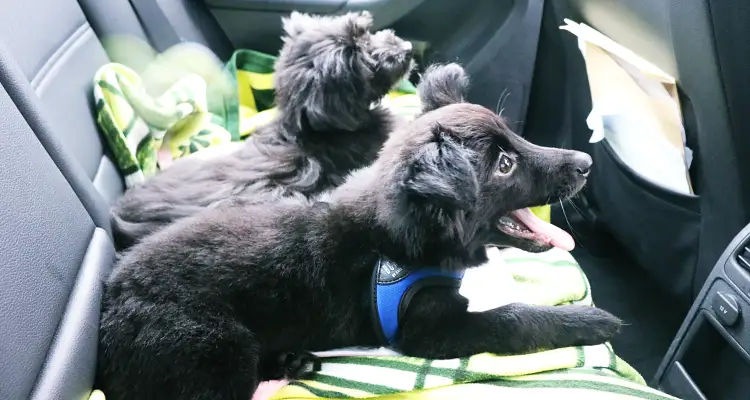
(61, 54)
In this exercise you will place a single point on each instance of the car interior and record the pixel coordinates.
(675, 267)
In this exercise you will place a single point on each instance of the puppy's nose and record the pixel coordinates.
(582, 162)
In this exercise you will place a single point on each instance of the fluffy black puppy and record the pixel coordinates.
(197, 310)
(329, 73)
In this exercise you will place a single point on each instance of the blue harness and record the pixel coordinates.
(393, 288)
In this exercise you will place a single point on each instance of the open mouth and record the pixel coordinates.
(523, 224)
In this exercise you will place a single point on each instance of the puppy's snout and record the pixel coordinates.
(582, 162)
(407, 47)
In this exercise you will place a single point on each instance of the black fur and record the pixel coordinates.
(329, 72)
(289, 364)
(201, 308)
(451, 87)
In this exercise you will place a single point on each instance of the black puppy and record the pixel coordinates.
(329, 73)
(199, 309)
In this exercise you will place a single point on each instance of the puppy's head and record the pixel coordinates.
(461, 180)
(331, 69)
(391, 60)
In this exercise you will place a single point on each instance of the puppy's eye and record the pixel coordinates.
(505, 165)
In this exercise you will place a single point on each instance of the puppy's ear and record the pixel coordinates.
(442, 85)
(358, 24)
(442, 173)
(296, 23)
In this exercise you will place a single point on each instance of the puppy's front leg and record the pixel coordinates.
(437, 325)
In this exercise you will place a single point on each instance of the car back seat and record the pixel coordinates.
(54, 259)
(56, 44)
(57, 184)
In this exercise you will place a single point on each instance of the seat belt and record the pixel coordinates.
(159, 30)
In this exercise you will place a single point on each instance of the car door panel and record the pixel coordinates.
(679, 37)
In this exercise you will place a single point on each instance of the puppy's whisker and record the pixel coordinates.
(499, 103)
(503, 97)
(499, 108)
(572, 230)
(575, 207)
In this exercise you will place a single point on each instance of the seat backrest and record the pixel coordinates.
(57, 46)
(57, 184)
(59, 53)
(54, 260)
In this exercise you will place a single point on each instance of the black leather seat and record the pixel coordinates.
(57, 183)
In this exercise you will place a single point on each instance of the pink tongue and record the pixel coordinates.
(558, 237)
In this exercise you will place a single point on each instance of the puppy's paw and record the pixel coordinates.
(290, 365)
(443, 85)
(588, 326)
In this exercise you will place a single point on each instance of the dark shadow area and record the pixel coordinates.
(621, 287)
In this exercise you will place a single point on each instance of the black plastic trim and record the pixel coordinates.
(679, 383)
(726, 276)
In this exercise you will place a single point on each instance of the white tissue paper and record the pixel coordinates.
(635, 107)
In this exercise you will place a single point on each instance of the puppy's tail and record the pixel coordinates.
(443, 84)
